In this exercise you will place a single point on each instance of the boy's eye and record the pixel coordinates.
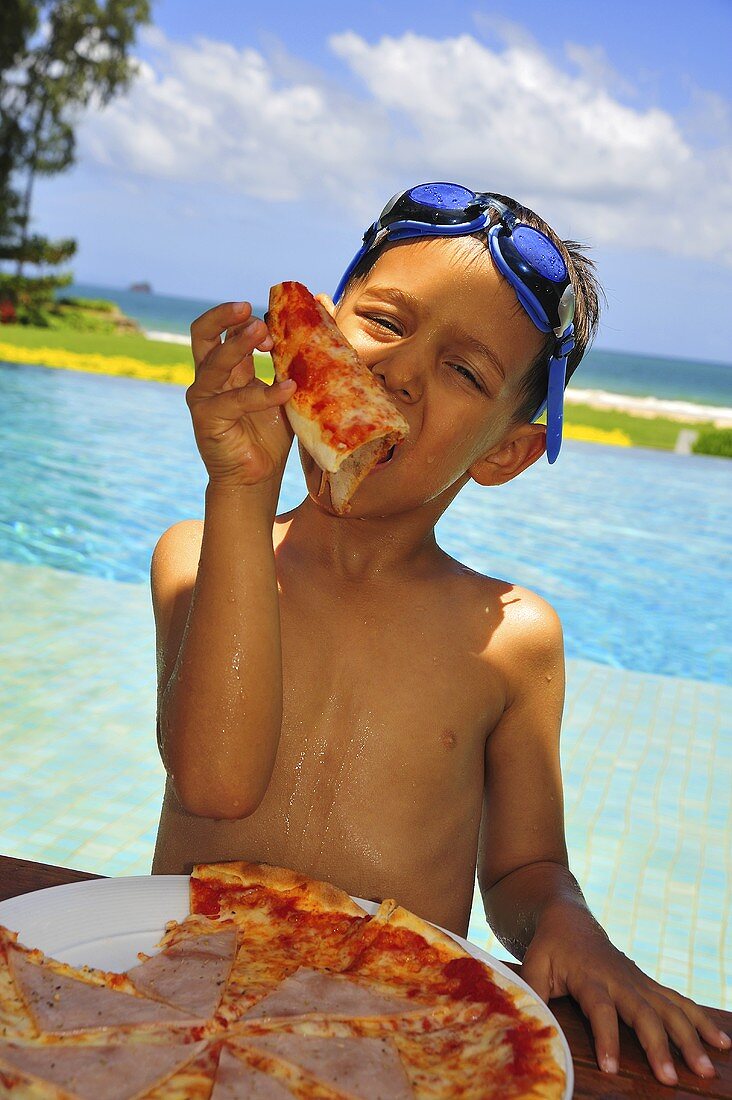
(385, 322)
(467, 374)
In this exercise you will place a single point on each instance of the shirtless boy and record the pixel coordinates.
(339, 695)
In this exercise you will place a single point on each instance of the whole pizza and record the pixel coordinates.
(275, 986)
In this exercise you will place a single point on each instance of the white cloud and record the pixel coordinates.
(507, 118)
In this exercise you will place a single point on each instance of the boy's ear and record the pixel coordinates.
(511, 457)
(326, 302)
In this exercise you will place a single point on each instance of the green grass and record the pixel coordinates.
(136, 346)
(658, 432)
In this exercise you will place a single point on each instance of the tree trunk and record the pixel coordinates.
(26, 204)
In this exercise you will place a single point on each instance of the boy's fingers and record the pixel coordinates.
(700, 1019)
(599, 1009)
(206, 330)
(651, 1033)
(684, 1035)
(255, 397)
(220, 361)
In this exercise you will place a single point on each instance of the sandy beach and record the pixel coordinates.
(649, 407)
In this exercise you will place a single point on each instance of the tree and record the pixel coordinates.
(57, 58)
(18, 21)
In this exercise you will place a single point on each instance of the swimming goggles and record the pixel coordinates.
(533, 265)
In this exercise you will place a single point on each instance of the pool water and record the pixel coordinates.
(628, 545)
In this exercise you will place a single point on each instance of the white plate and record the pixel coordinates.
(105, 922)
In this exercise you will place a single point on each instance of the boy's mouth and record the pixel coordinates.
(387, 457)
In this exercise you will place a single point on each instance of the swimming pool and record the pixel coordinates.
(629, 545)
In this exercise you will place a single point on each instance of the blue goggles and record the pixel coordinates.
(533, 265)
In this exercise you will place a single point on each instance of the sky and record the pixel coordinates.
(259, 141)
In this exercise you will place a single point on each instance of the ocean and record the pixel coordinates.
(669, 379)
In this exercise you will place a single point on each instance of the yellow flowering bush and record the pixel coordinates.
(615, 437)
(120, 365)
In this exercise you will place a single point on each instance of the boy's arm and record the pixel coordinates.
(219, 655)
(532, 901)
(217, 618)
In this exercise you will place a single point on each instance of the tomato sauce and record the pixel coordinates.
(526, 1041)
(301, 309)
(468, 980)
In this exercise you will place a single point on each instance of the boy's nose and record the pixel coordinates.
(400, 376)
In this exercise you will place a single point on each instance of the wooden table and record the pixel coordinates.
(19, 876)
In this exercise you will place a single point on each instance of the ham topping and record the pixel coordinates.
(100, 1072)
(313, 991)
(191, 974)
(369, 1069)
(61, 1004)
(235, 1080)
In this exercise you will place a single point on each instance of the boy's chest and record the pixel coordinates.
(373, 691)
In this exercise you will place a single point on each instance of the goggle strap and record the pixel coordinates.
(351, 268)
(555, 407)
(375, 235)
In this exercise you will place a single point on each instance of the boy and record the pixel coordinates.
(337, 694)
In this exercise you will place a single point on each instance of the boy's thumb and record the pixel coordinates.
(536, 971)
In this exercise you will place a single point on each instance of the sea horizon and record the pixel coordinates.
(603, 370)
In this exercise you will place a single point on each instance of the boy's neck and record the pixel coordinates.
(372, 548)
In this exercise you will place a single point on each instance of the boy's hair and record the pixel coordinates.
(534, 384)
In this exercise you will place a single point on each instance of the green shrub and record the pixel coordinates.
(99, 305)
(714, 441)
(80, 320)
(33, 299)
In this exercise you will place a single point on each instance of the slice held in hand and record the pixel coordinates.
(341, 414)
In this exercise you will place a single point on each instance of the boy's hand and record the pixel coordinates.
(571, 954)
(241, 432)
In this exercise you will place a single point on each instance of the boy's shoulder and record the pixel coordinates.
(177, 550)
(519, 624)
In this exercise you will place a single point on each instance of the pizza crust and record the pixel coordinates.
(341, 413)
(310, 893)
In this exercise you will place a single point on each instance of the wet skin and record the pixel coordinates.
(414, 730)
(396, 658)
(390, 689)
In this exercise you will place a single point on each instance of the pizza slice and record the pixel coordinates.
(500, 1035)
(346, 1067)
(238, 1079)
(42, 995)
(321, 1003)
(507, 1059)
(56, 1071)
(340, 412)
(285, 920)
(402, 954)
(191, 971)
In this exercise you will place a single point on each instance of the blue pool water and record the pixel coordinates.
(629, 545)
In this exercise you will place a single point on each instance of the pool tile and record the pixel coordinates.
(647, 766)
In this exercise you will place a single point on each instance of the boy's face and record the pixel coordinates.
(446, 335)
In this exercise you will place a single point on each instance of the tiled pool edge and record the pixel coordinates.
(647, 764)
